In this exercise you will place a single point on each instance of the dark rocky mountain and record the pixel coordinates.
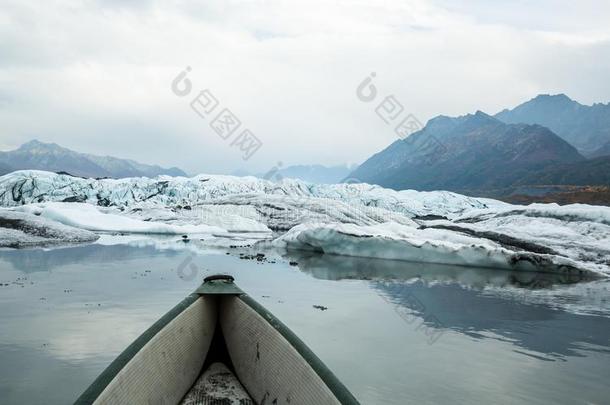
(52, 157)
(593, 172)
(585, 127)
(465, 154)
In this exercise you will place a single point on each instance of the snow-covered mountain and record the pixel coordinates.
(347, 219)
(36, 155)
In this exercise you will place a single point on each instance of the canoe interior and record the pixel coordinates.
(217, 385)
(171, 358)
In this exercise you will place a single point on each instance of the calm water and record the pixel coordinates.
(393, 333)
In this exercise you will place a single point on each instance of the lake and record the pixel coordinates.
(393, 332)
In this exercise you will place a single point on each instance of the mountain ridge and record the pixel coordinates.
(586, 127)
(53, 157)
(313, 173)
(474, 151)
(604, 150)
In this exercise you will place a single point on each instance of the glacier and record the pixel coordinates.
(427, 245)
(30, 186)
(19, 230)
(86, 216)
(344, 219)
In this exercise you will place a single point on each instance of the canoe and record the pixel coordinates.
(217, 346)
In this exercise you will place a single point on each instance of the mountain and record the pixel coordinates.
(589, 172)
(52, 157)
(318, 174)
(130, 168)
(585, 127)
(603, 151)
(241, 172)
(465, 154)
(4, 169)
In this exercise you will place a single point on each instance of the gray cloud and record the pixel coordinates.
(96, 76)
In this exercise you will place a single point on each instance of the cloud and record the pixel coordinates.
(95, 76)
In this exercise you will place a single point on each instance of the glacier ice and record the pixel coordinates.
(346, 219)
(429, 245)
(18, 230)
(86, 216)
(31, 186)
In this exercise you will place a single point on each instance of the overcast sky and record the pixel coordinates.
(95, 76)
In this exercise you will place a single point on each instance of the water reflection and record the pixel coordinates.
(329, 267)
(33, 260)
(109, 249)
(80, 306)
(536, 328)
(538, 312)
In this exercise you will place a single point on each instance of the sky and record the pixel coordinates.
(96, 76)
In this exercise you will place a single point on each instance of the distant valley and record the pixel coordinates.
(318, 174)
(312, 173)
